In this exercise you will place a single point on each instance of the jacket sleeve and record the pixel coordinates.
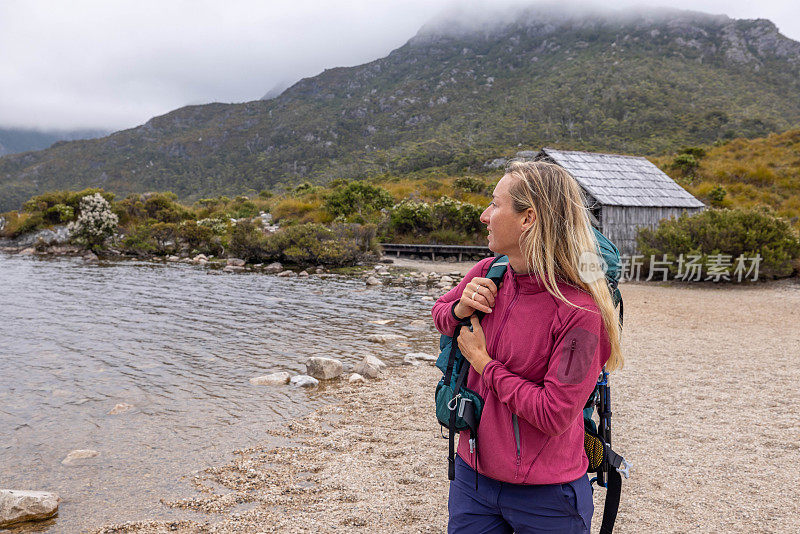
(442, 315)
(581, 350)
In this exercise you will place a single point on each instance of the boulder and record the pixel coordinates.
(232, 269)
(304, 381)
(286, 274)
(302, 274)
(356, 378)
(372, 281)
(17, 506)
(275, 379)
(369, 367)
(90, 256)
(274, 268)
(121, 407)
(382, 321)
(173, 258)
(79, 454)
(410, 360)
(324, 368)
(236, 262)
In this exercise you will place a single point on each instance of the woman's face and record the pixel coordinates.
(505, 225)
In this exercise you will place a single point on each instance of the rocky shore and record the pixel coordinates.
(702, 409)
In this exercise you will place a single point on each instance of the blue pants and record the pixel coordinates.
(502, 507)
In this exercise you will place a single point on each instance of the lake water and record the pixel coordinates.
(179, 343)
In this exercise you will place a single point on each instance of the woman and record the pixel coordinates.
(535, 357)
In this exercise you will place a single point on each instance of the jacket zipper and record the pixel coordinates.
(496, 337)
(571, 352)
(515, 422)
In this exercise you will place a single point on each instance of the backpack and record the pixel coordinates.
(458, 408)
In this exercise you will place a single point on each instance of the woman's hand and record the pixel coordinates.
(472, 343)
(478, 295)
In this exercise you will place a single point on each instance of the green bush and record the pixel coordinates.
(139, 240)
(469, 184)
(249, 243)
(717, 195)
(200, 238)
(685, 163)
(452, 214)
(694, 151)
(411, 216)
(162, 207)
(60, 213)
(314, 244)
(731, 232)
(357, 198)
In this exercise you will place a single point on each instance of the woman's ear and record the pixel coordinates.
(530, 218)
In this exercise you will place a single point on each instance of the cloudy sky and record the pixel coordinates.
(113, 64)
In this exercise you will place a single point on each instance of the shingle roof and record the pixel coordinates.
(622, 180)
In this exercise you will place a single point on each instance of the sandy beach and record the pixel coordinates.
(705, 409)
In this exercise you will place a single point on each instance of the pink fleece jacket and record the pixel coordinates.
(546, 357)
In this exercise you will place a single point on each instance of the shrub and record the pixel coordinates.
(411, 216)
(731, 232)
(469, 184)
(717, 195)
(71, 199)
(17, 224)
(357, 198)
(198, 237)
(60, 213)
(163, 207)
(139, 240)
(314, 244)
(293, 209)
(685, 163)
(248, 243)
(460, 216)
(217, 226)
(242, 208)
(694, 151)
(95, 222)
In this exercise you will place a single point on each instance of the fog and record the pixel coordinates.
(113, 65)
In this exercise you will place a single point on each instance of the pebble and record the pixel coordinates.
(79, 454)
(304, 381)
(119, 408)
(273, 379)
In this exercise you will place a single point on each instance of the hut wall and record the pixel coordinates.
(621, 223)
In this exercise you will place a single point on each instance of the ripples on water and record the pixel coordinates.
(180, 344)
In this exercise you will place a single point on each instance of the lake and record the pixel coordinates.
(179, 343)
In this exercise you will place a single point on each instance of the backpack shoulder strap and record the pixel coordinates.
(497, 269)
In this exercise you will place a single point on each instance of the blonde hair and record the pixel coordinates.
(556, 244)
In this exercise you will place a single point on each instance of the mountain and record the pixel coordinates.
(15, 140)
(460, 92)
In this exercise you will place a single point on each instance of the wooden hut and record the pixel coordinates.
(623, 193)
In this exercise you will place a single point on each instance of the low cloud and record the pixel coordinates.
(114, 65)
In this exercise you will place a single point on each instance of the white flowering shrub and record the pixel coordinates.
(96, 221)
(218, 226)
